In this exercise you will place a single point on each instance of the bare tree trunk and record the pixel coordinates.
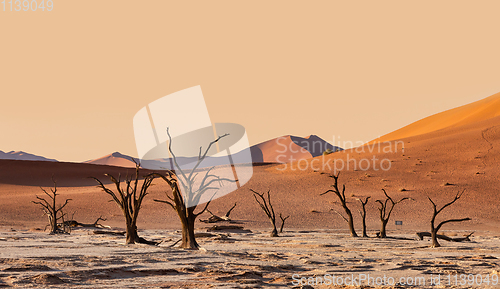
(53, 213)
(342, 198)
(435, 242)
(385, 213)
(188, 236)
(131, 234)
(130, 201)
(421, 236)
(283, 222)
(267, 207)
(383, 232)
(436, 211)
(365, 235)
(363, 214)
(350, 222)
(178, 202)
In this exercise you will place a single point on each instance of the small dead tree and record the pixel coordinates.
(363, 214)
(129, 199)
(186, 204)
(74, 223)
(53, 212)
(436, 211)
(343, 202)
(283, 222)
(385, 212)
(465, 238)
(267, 207)
(214, 219)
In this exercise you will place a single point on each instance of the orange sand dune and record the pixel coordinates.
(437, 164)
(288, 148)
(278, 150)
(468, 114)
(114, 159)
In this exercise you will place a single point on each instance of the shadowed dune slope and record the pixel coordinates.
(437, 164)
(468, 114)
(39, 173)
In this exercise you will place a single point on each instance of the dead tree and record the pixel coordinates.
(436, 211)
(185, 205)
(267, 207)
(385, 212)
(129, 199)
(74, 223)
(283, 222)
(363, 214)
(343, 202)
(53, 212)
(214, 219)
(466, 238)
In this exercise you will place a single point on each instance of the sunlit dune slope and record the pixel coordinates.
(468, 114)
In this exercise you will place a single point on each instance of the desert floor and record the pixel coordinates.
(245, 259)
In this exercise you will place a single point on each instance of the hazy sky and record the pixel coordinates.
(72, 79)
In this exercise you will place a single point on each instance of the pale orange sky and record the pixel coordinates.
(72, 79)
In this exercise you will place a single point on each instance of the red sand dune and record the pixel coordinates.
(114, 159)
(288, 148)
(437, 164)
(279, 150)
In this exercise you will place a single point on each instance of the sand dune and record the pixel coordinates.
(279, 150)
(20, 155)
(462, 157)
(288, 148)
(468, 114)
(436, 164)
(114, 159)
(39, 173)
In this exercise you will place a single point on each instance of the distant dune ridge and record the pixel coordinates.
(115, 159)
(290, 148)
(23, 156)
(278, 150)
(467, 114)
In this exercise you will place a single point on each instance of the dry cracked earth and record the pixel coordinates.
(245, 259)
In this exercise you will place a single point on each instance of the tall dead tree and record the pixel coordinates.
(385, 212)
(363, 214)
(129, 199)
(343, 202)
(436, 211)
(268, 209)
(53, 212)
(186, 204)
